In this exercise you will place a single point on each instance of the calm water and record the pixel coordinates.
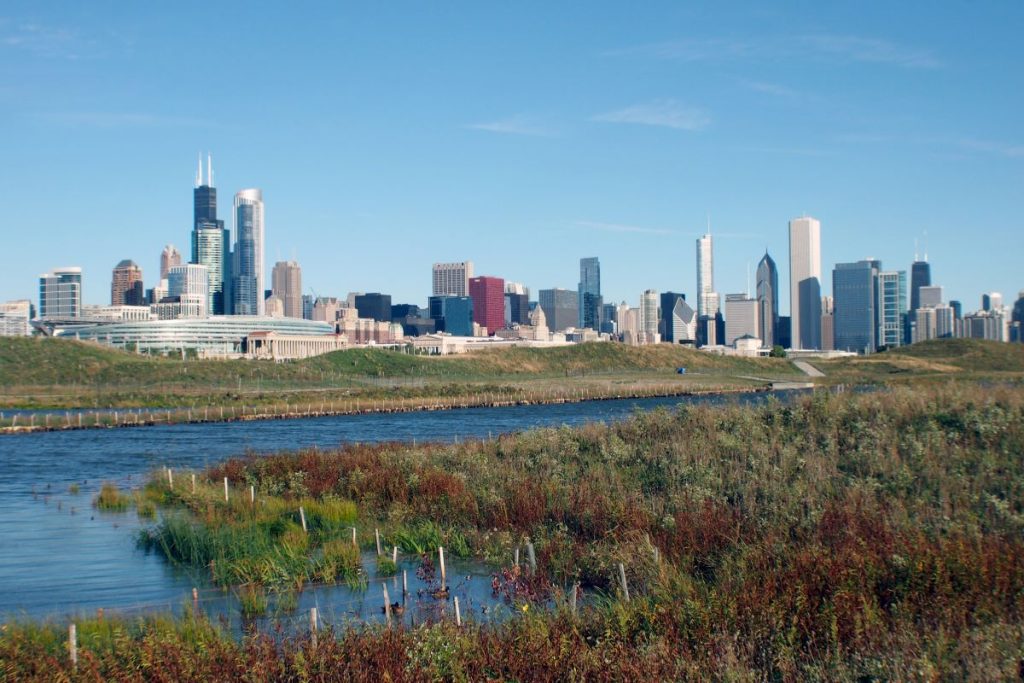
(58, 556)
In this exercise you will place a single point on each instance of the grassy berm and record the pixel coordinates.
(872, 536)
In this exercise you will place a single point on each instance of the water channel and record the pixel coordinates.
(60, 557)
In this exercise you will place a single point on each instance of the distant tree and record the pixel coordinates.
(777, 352)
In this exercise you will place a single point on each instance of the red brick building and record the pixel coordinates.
(488, 294)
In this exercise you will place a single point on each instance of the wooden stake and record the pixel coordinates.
(193, 484)
(73, 645)
(376, 532)
(440, 554)
(622, 578)
(225, 489)
(532, 557)
(387, 603)
(458, 614)
(170, 478)
(572, 597)
(312, 625)
(195, 601)
(515, 561)
(252, 494)
(394, 555)
(405, 583)
(354, 541)
(302, 516)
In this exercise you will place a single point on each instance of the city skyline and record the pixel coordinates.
(698, 111)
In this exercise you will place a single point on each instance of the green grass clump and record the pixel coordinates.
(385, 566)
(110, 499)
(74, 489)
(252, 600)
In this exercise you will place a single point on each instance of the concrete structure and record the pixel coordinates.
(805, 282)
(828, 329)
(326, 309)
(929, 296)
(452, 279)
(212, 336)
(169, 257)
(488, 294)
(60, 293)
(113, 314)
(286, 284)
(360, 330)
(539, 325)
(15, 317)
(248, 280)
(649, 317)
(985, 325)
(767, 300)
(274, 306)
(741, 318)
(560, 306)
(855, 317)
(276, 346)
(589, 294)
(176, 309)
(126, 288)
(189, 284)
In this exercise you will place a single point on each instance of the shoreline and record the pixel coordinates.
(182, 416)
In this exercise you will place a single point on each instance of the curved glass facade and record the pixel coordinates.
(216, 336)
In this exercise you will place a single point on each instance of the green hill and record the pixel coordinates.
(935, 359)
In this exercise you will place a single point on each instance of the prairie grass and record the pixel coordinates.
(837, 537)
(111, 499)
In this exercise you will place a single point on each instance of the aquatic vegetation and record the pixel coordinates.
(111, 499)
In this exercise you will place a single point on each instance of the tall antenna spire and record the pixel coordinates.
(209, 169)
(199, 171)
(915, 250)
(709, 222)
(925, 245)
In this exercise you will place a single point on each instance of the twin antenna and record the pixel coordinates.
(209, 171)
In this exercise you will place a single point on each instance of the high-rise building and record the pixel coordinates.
(589, 294)
(488, 294)
(929, 296)
(1017, 319)
(211, 242)
(189, 284)
(170, 256)
(15, 317)
(247, 281)
(307, 306)
(920, 276)
(60, 293)
(805, 283)
(855, 322)
(891, 307)
(560, 307)
(828, 336)
(374, 305)
(666, 325)
(452, 314)
(767, 301)
(452, 279)
(286, 285)
(649, 317)
(126, 288)
(707, 298)
(992, 302)
(741, 317)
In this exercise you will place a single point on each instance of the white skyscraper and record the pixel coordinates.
(742, 317)
(707, 298)
(452, 279)
(805, 283)
(649, 316)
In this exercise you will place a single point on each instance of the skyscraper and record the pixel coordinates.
(707, 299)
(891, 307)
(247, 287)
(126, 288)
(60, 293)
(170, 256)
(853, 291)
(374, 306)
(589, 293)
(286, 284)
(741, 317)
(649, 316)
(767, 301)
(488, 294)
(920, 276)
(667, 325)
(211, 242)
(452, 279)
(805, 282)
(190, 284)
(560, 307)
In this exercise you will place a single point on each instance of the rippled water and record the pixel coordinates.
(58, 556)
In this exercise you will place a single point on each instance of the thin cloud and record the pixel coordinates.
(769, 88)
(618, 227)
(819, 46)
(990, 147)
(123, 119)
(666, 113)
(515, 125)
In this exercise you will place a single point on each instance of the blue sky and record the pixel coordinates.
(522, 136)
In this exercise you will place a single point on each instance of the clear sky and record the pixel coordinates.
(522, 136)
